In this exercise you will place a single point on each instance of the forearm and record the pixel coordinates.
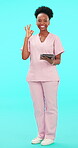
(55, 61)
(25, 52)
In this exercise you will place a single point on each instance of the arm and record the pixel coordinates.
(57, 60)
(25, 52)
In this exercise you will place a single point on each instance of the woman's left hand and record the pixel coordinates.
(55, 61)
(47, 59)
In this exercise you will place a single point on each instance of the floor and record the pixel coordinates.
(18, 125)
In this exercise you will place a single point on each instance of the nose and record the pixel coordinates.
(42, 23)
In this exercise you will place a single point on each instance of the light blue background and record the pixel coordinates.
(17, 122)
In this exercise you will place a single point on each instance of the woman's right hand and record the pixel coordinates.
(28, 31)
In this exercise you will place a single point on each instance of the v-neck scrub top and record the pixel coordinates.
(42, 70)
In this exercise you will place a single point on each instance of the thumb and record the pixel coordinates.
(32, 31)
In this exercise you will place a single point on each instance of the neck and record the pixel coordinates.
(43, 32)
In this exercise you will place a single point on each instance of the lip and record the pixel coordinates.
(42, 27)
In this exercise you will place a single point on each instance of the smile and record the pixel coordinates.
(42, 26)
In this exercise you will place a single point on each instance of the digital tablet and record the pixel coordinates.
(51, 56)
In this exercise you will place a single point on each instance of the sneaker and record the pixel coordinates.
(47, 141)
(36, 140)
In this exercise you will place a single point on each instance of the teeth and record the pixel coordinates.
(42, 26)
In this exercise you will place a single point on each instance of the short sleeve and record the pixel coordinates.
(58, 46)
(21, 48)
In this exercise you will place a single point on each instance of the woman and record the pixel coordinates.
(43, 77)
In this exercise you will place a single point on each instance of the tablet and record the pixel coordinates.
(51, 56)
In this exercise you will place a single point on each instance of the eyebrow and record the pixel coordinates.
(43, 19)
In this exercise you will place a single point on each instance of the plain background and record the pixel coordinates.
(17, 121)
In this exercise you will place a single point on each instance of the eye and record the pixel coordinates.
(45, 20)
(39, 20)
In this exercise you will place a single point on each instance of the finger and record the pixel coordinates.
(32, 31)
(29, 26)
(46, 57)
(43, 58)
(25, 28)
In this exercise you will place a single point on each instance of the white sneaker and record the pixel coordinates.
(36, 140)
(47, 141)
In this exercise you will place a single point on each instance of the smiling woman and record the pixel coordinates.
(43, 77)
(43, 20)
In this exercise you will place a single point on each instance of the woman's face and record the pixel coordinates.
(42, 21)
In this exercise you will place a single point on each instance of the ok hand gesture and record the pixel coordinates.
(28, 31)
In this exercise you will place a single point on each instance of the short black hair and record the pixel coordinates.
(45, 10)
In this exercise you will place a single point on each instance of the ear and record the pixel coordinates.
(49, 23)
